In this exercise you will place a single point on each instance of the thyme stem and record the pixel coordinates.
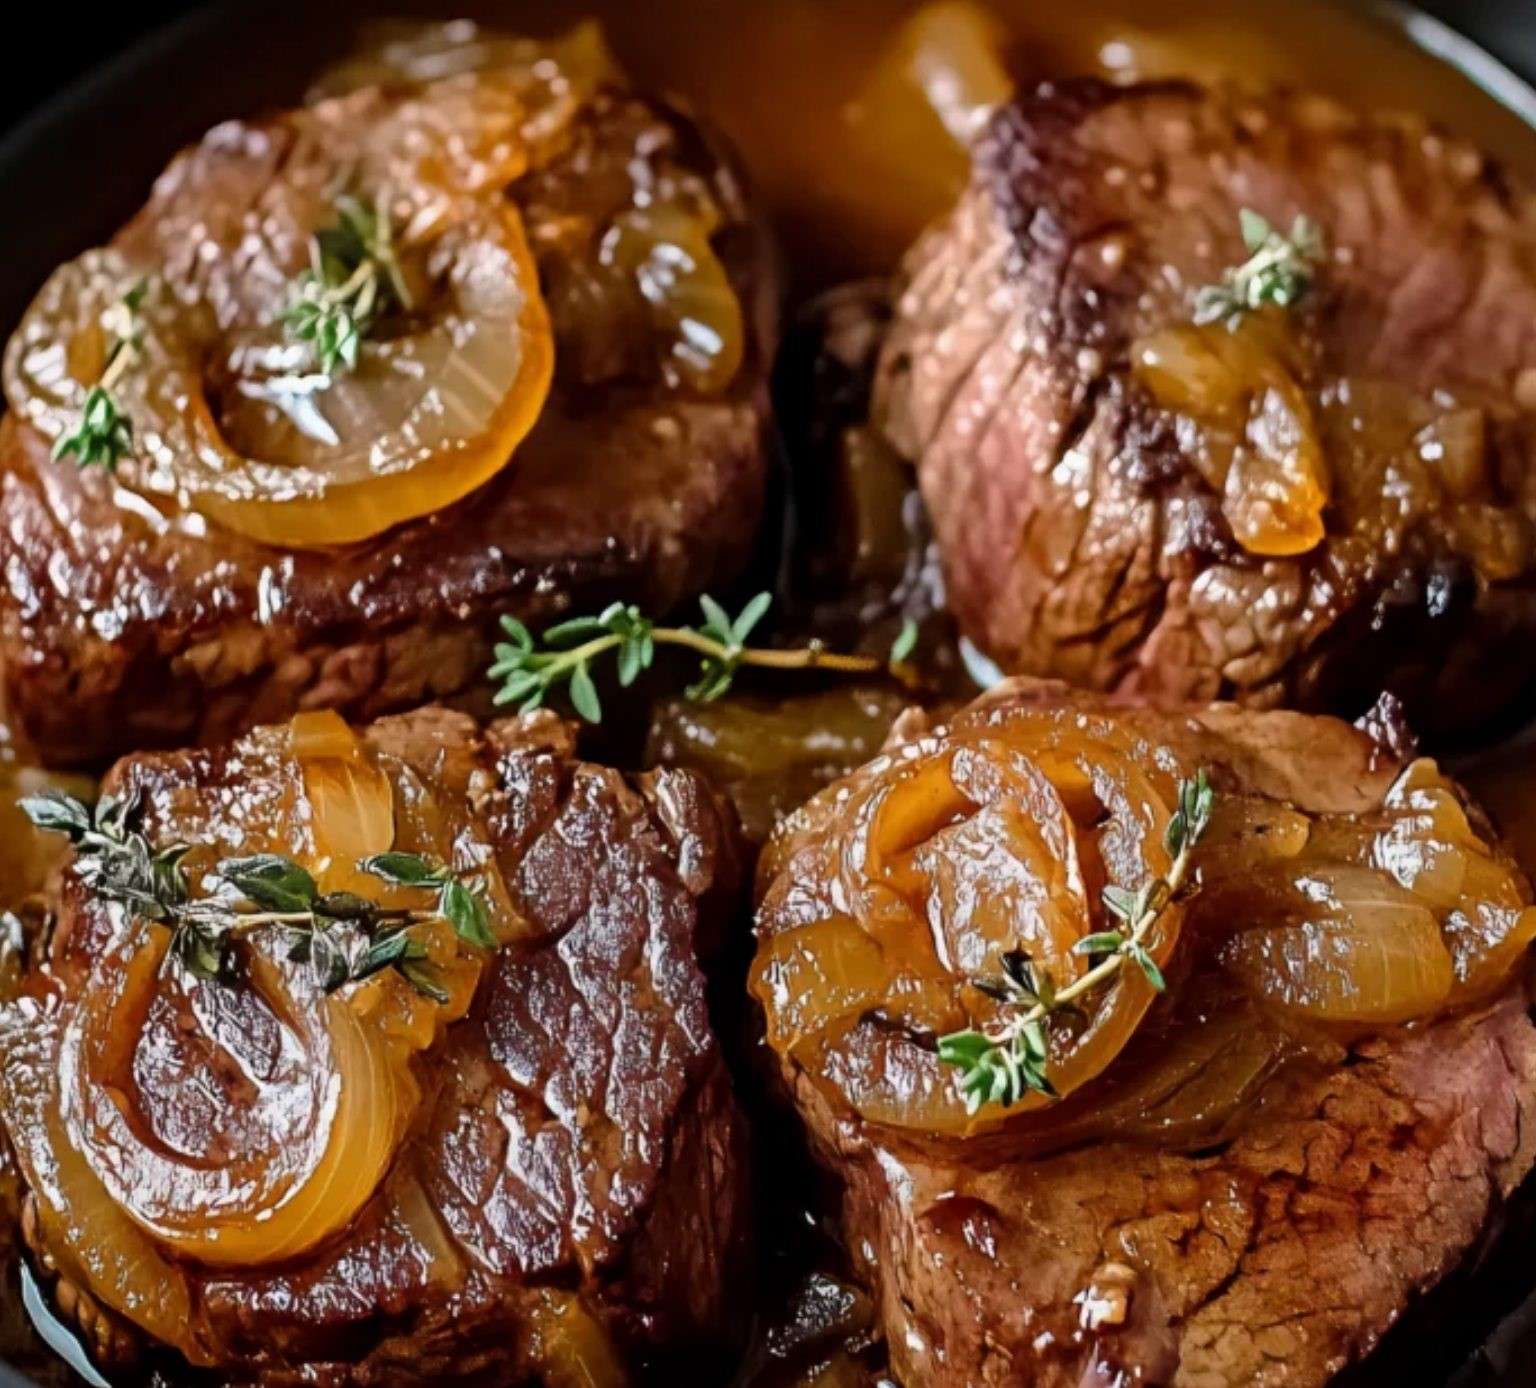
(528, 670)
(1003, 1065)
(1105, 969)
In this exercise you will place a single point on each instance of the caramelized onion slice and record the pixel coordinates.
(1359, 949)
(315, 1090)
(1259, 446)
(571, 1346)
(928, 95)
(94, 1241)
(664, 249)
(315, 1145)
(931, 865)
(233, 418)
(351, 801)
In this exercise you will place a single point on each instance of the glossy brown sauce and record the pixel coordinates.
(835, 137)
(795, 83)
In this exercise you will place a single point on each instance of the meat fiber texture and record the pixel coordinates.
(1273, 1263)
(121, 629)
(577, 1134)
(1078, 539)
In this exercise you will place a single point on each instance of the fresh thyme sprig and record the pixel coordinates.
(1002, 1066)
(1278, 271)
(344, 938)
(529, 670)
(104, 433)
(354, 276)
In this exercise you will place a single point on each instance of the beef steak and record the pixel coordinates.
(568, 1196)
(1278, 1260)
(122, 628)
(1213, 1209)
(1085, 534)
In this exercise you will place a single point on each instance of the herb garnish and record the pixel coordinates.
(1278, 271)
(344, 938)
(1001, 1067)
(104, 433)
(354, 275)
(528, 671)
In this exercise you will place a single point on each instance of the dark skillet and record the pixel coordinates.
(118, 123)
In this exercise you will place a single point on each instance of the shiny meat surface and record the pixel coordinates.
(1339, 1061)
(1277, 1260)
(1121, 536)
(562, 1194)
(630, 485)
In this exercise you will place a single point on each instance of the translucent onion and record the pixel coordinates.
(570, 1345)
(889, 894)
(1359, 949)
(928, 95)
(1196, 1070)
(326, 1088)
(665, 250)
(230, 417)
(96, 1244)
(1259, 446)
(329, 1120)
(351, 801)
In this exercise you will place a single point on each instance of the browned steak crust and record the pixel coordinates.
(1078, 539)
(577, 1134)
(122, 629)
(1271, 1253)
(1276, 1261)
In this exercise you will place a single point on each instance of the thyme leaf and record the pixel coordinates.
(103, 434)
(1279, 271)
(527, 670)
(344, 938)
(354, 276)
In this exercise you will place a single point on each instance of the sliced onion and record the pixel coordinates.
(327, 1088)
(818, 974)
(665, 250)
(571, 1346)
(351, 801)
(325, 1124)
(1361, 950)
(894, 892)
(928, 95)
(230, 417)
(96, 1244)
(1262, 450)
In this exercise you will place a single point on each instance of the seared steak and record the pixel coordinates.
(122, 628)
(1094, 531)
(567, 1190)
(1268, 1169)
(1277, 1260)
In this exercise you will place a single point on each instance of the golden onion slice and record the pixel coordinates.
(664, 249)
(351, 801)
(889, 897)
(1359, 948)
(299, 1144)
(1259, 447)
(233, 418)
(323, 1126)
(96, 1245)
